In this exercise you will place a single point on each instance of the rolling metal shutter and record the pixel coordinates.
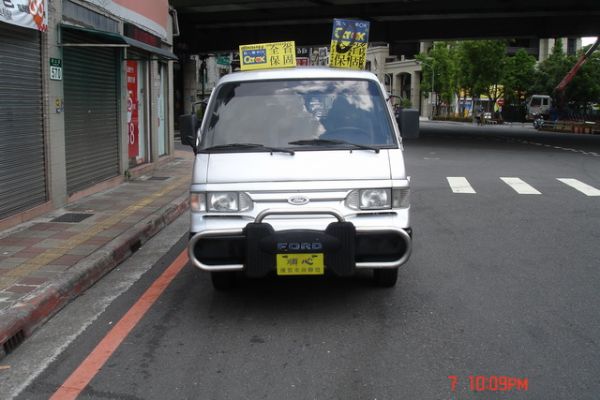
(91, 113)
(22, 157)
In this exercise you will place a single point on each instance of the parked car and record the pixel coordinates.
(298, 172)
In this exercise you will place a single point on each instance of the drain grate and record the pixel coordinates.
(13, 342)
(135, 246)
(159, 178)
(71, 217)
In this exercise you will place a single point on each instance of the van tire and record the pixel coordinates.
(385, 277)
(223, 280)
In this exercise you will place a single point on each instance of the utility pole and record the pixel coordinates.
(432, 89)
(203, 74)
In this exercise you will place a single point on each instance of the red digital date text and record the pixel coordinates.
(492, 383)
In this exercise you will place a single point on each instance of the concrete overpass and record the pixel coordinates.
(213, 25)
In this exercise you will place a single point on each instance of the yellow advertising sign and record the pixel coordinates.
(267, 55)
(349, 42)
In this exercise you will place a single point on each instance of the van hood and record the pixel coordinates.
(302, 166)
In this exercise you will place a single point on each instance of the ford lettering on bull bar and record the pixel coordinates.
(300, 246)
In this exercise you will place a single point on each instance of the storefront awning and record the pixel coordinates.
(111, 39)
(162, 53)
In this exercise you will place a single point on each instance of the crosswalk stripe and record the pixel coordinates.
(582, 187)
(460, 184)
(520, 186)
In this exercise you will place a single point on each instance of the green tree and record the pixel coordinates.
(585, 86)
(550, 71)
(440, 61)
(518, 77)
(482, 67)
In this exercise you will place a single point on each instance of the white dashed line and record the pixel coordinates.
(460, 184)
(520, 186)
(587, 153)
(582, 187)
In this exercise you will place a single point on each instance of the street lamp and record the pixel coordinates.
(432, 83)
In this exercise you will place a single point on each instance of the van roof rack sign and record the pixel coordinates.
(349, 42)
(267, 56)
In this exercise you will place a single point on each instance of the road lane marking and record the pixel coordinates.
(582, 187)
(89, 368)
(520, 186)
(460, 184)
(587, 153)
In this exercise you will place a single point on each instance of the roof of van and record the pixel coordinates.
(298, 73)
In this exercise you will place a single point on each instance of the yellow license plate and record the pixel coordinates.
(300, 264)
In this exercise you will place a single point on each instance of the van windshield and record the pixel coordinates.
(293, 113)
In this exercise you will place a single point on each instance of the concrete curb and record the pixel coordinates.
(21, 320)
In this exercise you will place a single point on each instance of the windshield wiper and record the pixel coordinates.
(318, 142)
(248, 146)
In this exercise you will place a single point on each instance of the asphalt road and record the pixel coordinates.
(500, 284)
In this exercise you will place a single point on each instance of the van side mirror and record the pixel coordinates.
(188, 128)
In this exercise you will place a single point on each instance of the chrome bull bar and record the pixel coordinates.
(313, 211)
(387, 264)
(213, 233)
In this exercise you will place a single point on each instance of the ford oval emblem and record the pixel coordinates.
(298, 200)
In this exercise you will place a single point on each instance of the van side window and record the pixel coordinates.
(536, 101)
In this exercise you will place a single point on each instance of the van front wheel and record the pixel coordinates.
(385, 277)
(223, 280)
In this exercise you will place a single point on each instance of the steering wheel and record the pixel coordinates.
(349, 134)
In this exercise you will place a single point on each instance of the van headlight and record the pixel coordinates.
(223, 201)
(378, 199)
(375, 199)
(220, 202)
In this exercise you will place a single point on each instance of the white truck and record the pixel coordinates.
(538, 105)
(298, 172)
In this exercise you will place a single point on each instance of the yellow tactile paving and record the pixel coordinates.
(47, 257)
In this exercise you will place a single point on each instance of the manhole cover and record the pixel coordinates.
(159, 178)
(71, 217)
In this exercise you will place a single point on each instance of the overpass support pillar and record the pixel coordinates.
(415, 89)
(190, 83)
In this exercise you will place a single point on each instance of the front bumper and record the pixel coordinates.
(345, 247)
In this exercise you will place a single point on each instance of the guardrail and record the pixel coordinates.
(583, 127)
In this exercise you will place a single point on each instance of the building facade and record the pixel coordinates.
(84, 98)
(401, 76)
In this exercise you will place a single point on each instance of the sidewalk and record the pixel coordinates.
(524, 125)
(47, 262)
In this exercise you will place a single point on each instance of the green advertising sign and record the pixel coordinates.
(223, 60)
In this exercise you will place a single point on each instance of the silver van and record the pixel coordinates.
(298, 172)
